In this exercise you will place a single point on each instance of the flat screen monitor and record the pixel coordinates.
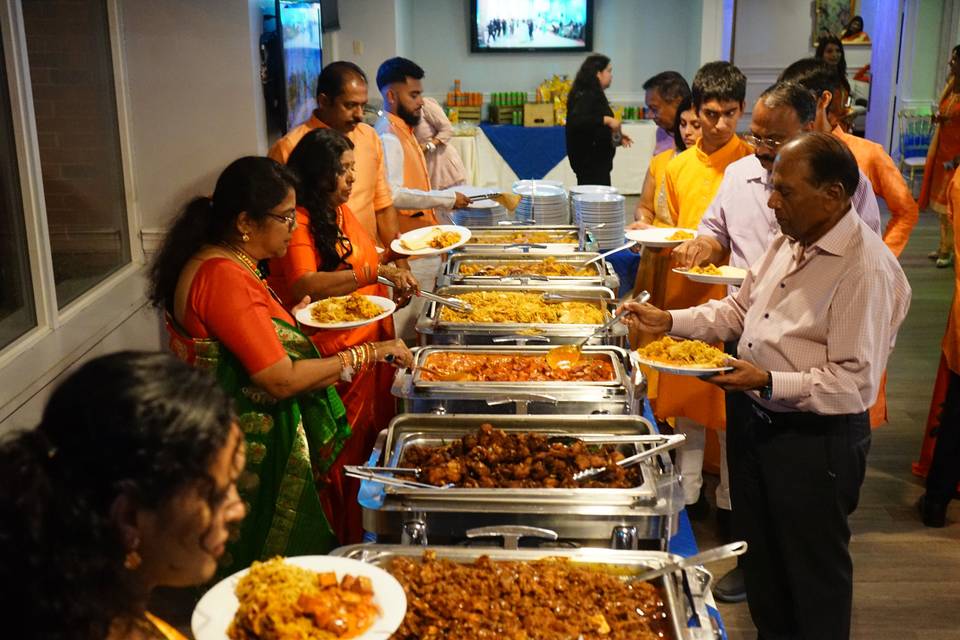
(531, 25)
(302, 57)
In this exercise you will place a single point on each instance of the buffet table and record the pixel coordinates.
(498, 155)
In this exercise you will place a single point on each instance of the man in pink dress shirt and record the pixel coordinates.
(739, 222)
(816, 318)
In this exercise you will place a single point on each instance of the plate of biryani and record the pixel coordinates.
(345, 312)
(683, 357)
(429, 241)
(302, 598)
(712, 274)
(660, 236)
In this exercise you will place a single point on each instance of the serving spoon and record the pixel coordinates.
(565, 356)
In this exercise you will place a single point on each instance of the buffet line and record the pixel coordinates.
(521, 478)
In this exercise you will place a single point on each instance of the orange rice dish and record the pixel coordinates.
(344, 309)
(683, 353)
(280, 601)
(681, 235)
(709, 270)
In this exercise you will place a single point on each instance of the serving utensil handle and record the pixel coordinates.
(711, 555)
(511, 534)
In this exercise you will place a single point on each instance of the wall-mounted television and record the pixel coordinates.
(299, 25)
(531, 25)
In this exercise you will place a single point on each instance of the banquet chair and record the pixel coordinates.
(915, 133)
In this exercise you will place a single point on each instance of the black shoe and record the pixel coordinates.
(731, 587)
(700, 509)
(932, 512)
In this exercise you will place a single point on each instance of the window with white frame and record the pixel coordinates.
(64, 224)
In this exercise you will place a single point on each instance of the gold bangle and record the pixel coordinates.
(376, 356)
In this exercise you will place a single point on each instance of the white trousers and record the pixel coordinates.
(690, 463)
(425, 270)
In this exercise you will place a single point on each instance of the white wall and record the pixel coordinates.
(195, 97)
(640, 40)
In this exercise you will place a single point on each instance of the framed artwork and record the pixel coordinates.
(830, 17)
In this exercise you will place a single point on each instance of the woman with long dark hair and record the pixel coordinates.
(222, 316)
(592, 132)
(128, 483)
(331, 254)
(830, 50)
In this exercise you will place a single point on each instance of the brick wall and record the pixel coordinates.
(68, 49)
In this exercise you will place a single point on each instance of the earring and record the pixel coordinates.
(132, 560)
(245, 237)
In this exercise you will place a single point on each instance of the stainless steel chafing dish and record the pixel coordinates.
(644, 515)
(601, 274)
(616, 396)
(501, 238)
(434, 330)
(685, 593)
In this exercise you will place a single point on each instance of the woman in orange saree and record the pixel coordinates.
(331, 254)
(944, 146)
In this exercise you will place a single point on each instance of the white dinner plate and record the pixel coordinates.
(729, 275)
(657, 236)
(681, 371)
(304, 316)
(215, 611)
(398, 247)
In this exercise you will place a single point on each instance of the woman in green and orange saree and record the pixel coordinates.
(331, 254)
(222, 316)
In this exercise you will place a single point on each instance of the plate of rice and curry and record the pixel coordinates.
(429, 241)
(659, 237)
(712, 274)
(683, 357)
(316, 597)
(345, 312)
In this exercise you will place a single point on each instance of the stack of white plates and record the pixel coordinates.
(591, 210)
(588, 188)
(482, 213)
(545, 204)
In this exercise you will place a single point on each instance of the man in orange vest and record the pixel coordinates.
(400, 84)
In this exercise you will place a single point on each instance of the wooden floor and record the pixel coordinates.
(906, 576)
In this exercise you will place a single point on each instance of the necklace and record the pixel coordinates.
(245, 260)
(252, 267)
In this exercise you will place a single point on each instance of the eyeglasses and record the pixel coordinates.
(291, 220)
(756, 142)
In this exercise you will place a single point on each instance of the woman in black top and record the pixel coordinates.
(592, 131)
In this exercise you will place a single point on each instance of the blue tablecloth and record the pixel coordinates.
(625, 263)
(530, 151)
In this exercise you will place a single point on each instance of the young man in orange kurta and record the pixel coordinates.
(692, 180)
(400, 84)
(341, 97)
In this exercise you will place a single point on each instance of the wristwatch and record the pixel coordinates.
(766, 391)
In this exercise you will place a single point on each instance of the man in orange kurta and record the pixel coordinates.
(888, 183)
(400, 84)
(341, 97)
(692, 180)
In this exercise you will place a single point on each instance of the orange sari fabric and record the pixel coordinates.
(943, 148)
(370, 406)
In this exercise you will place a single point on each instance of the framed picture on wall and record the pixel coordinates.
(838, 18)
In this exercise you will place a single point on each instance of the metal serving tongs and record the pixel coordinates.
(453, 303)
(553, 298)
(671, 442)
(567, 355)
(603, 255)
(510, 201)
(374, 474)
(710, 555)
